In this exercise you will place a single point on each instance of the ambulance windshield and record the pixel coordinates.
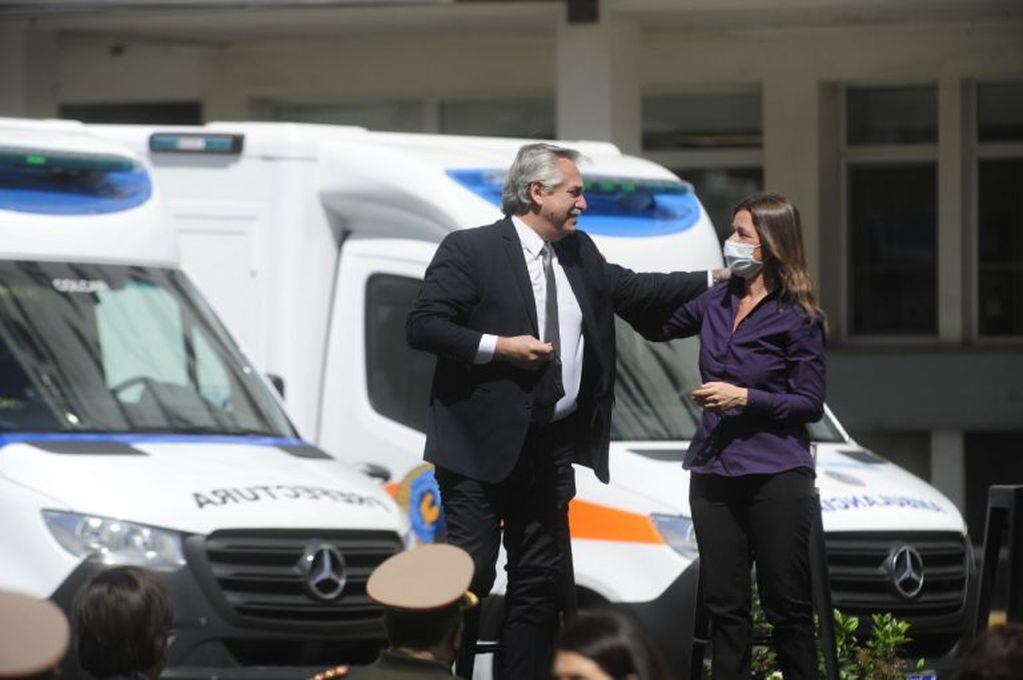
(113, 348)
(653, 385)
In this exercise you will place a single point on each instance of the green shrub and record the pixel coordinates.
(879, 657)
(876, 657)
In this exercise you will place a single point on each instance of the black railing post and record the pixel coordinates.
(1004, 518)
(822, 592)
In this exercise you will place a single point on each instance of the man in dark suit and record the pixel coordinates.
(520, 315)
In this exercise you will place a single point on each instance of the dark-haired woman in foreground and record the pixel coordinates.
(122, 618)
(751, 487)
(605, 644)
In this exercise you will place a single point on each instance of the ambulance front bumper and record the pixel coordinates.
(239, 617)
(668, 619)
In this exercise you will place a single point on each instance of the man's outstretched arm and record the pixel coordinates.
(647, 300)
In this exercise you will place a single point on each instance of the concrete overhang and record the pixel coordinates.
(230, 22)
(227, 22)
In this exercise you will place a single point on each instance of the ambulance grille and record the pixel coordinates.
(861, 581)
(258, 574)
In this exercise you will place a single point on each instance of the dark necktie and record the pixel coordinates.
(552, 329)
(550, 389)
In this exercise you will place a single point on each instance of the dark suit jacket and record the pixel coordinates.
(478, 283)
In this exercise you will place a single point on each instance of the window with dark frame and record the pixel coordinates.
(712, 140)
(531, 118)
(140, 113)
(721, 189)
(1000, 209)
(893, 248)
(891, 180)
(408, 116)
(702, 121)
(526, 117)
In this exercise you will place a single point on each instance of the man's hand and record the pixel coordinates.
(719, 396)
(523, 351)
(719, 275)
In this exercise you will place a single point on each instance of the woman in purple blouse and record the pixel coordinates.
(751, 488)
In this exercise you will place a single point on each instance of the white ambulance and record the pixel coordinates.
(311, 242)
(134, 432)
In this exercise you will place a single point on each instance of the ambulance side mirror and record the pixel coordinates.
(374, 471)
(278, 383)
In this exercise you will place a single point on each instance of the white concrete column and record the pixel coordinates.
(221, 89)
(952, 219)
(948, 465)
(827, 227)
(28, 71)
(13, 67)
(431, 115)
(41, 82)
(598, 91)
(220, 105)
(791, 99)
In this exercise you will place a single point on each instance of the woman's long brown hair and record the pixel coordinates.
(778, 225)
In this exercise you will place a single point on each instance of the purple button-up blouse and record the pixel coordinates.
(775, 353)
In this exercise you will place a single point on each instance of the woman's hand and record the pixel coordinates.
(719, 396)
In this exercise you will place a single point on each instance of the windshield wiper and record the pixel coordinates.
(242, 431)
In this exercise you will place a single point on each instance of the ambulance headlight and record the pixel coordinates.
(116, 542)
(677, 531)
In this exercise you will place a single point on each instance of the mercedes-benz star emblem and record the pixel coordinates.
(324, 570)
(906, 568)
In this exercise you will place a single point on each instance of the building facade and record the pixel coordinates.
(896, 126)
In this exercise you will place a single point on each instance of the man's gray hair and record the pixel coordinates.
(535, 163)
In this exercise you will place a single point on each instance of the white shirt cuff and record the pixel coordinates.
(485, 352)
(710, 278)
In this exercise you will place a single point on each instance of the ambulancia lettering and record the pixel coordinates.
(839, 503)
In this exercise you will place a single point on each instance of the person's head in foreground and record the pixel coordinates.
(122, 617)
(605, 644)
(997, 654)
(34, 635)
(424, 592)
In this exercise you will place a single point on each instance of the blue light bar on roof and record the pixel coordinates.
(47, 182)
(616, 206)
(196, 142)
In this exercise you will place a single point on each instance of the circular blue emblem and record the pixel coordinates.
(419, 495)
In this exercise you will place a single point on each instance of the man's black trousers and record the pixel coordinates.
(530, 508)
(766, 519)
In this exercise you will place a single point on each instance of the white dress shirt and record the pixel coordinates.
(570, 318)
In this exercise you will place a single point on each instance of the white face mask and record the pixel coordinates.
(739, 258)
